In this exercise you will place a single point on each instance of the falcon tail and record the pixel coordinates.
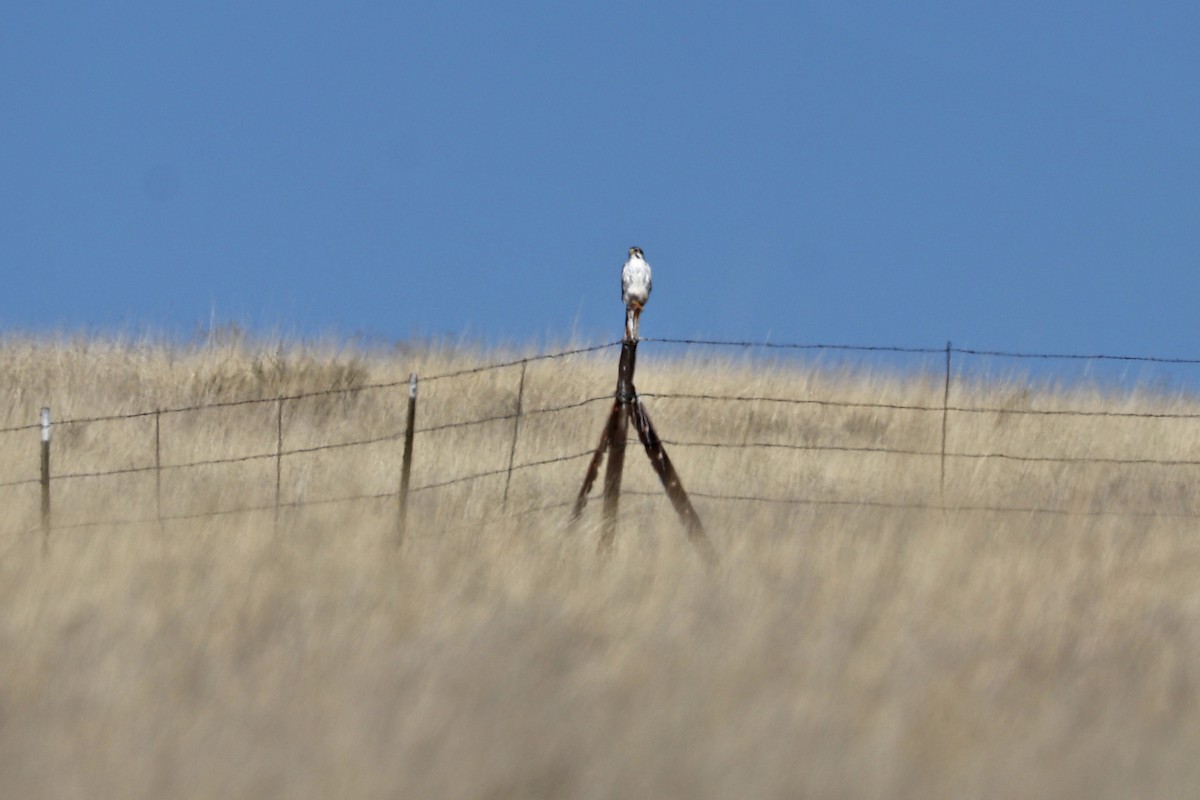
(633, 313)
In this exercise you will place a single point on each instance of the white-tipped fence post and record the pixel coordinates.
(406, 465)
(46, 471)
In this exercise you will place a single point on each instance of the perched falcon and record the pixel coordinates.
(635, 290)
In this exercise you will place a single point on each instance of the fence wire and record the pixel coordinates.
(817, 402)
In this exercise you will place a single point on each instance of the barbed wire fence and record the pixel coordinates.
(47, 479)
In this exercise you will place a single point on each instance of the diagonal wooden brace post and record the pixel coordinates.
(593, 469)
(618, 431)
(670, 481)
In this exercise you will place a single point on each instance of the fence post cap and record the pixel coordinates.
(412, 385)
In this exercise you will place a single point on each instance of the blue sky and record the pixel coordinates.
(1018, 175)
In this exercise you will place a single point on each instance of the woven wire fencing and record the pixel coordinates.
(487, 434)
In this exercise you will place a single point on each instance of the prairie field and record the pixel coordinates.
(1024, 624)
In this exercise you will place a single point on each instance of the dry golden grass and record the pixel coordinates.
(835, 651)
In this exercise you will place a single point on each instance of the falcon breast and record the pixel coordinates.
(635, 279)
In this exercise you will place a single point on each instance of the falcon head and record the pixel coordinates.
(635, 252)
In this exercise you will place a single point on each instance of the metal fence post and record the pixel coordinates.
(46, 471)
(278, 458)
(158, 467)
(512, 451)
(406, 465)
(945, 414)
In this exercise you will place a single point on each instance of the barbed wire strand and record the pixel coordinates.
(1072, 356)
(931, 507)
(924, 408)
(223, 512)
(517, 362)
(15, 428)
(938, 453)
(787, 400)
(797, 346)
(512, 415)
(501, 471)
(23, 482)
(808, 447)
(921, 350)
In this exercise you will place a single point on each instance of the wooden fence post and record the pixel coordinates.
(512, 451)
(617, 435)
(45, 473)
(406, 465)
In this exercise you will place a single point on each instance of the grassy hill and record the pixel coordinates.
(874, 627)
